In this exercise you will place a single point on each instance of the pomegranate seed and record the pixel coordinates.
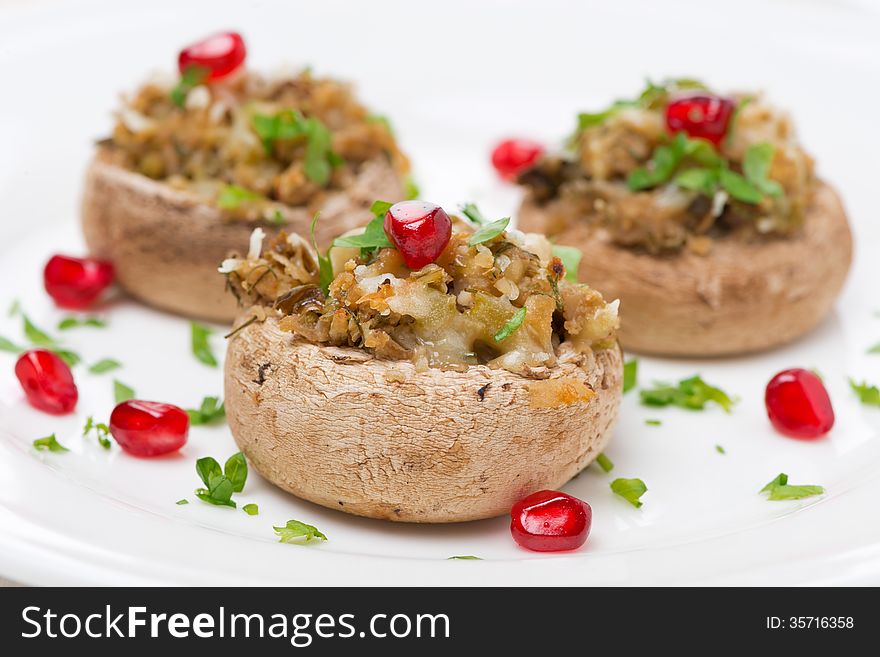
(47, 381)
(220, 54)
(700, 116)
(76, 283)
(419, 230)
(146, 428)
(513, 156)
(798, 404)
(550, 521)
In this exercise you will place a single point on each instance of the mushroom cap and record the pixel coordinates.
(741, 297)
(376, 438)
(166, 244)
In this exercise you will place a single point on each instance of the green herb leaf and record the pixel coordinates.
(868, 394)
(692, 394)
(236, 470)
(604, 462)
(512, 325)
(182, 502)
(36, 335)
(720, 449)
(699, 180)
(200, 346)
(251, 509)
(14, 308)
(734, 120)
(102, 432)
(411, 189)
(738, 187)
(211, 411)
(8, 345)
(325, 265)
(489, 231)
(77, 322)
(212, 497)
(373, 237)
(104, 365)
(630, 374)
(630, 489)
(379, 208)
(756, 167)
(191, 77)
(207, 468)
(780, 489)
(464, 557)
(653, 423)
(873, 350)
(472, 212)
(281, 126)
(298, 532)
(319, 158)
(233, 196)
(49, 443)
(122, 392)
(571, 260)
(70, 357)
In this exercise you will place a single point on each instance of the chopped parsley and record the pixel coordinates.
(201, 348)
(69, 357)
(571, 259)
(299, 532)
(692, 393)
(464, 557)
(472, 212)
(653, 423)
(122, 392)
(36, 335)
(604, 462)
(868, 394)
(374, 236)
(8, 345)
(14, 308)
(780, 489)
(875, 349)
(288, 124)
(104, 365)
(251, 509)
(191, 78)
(512, 325)
(630, 489)
(49, 443)
(630, 374)
(102, 432)
(182, 502)
(211, 411)
(489, 231)
(221, 484)
(233, 197)
(76, 322)
(720, 449)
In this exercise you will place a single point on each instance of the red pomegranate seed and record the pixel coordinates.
(76, 283)
(700, 116)
(220, 54)
(550, 521)
(798, 404)
(419, 230)
(47, 381)
(513, 156)
(146, 428)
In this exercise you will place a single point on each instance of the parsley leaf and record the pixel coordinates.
(182, 502)
(756, 167)
(325, 265)
(233, 196)
(36, 335)
(200, 347)
(630, 489)
(8, 345)
(512, 325)
(298, 532)
(489, 231)
(102, 431)
(472, 212)
(875, 349)
(653, 423)
(121, 392)
(868, 394)
(208, 467)
(464, 557)
(630, 374)
(720, 449)
(49, 443)
(571, 260)
(211, 411)
(692, 394)
(104, 365)
(191, 77)
(69, 357)
(738, 187)
(236, 470)
(76, 322)
(373, 237)
(780, 489)
(699, 180)
(288, 124)
(604, 462)
(411, 189)
(221, 484)
(14, 308)
(251, 509)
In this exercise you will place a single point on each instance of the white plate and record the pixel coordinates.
(454, 78)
